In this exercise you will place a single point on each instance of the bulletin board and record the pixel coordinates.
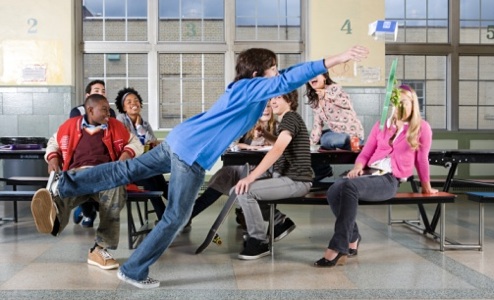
(335, 26)
(36, 42)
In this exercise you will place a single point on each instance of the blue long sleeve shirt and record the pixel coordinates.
(204, 137)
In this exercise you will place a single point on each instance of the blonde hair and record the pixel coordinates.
(271, 127)
(414, 121)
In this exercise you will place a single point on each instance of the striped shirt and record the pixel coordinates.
(295, 160)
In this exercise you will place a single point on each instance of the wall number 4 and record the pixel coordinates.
(347, 26)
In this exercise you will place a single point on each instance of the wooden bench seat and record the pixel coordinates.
(319, 198)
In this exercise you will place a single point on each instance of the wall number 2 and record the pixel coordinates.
(347, 26)
(33, 25)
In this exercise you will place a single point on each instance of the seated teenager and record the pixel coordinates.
(81, 143)
(129, 104)
(292, 174)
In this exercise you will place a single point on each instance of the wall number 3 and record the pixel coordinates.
(490, 32)
(33, 23)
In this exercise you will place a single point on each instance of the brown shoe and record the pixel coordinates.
(44, 211)
(101, 258)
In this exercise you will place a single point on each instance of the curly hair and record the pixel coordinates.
(121, 96)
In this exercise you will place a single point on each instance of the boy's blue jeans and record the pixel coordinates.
(184, 185)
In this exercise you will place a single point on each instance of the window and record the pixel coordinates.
(177, 53)
(267, 20)
(112, 20)
(419, 21)
(455, 74)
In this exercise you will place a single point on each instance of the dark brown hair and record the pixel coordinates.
(292, 99)
(254, 60)
(90, 85)
(313, 98)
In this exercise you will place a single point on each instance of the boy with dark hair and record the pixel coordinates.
(193, 147)
(292, 174)
(81, 143)
(86, 212)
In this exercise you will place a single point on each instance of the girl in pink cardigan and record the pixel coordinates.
(403, 144)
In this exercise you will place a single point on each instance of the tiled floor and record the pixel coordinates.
(393, 262)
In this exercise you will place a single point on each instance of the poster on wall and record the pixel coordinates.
(35, 46)
(335, 26)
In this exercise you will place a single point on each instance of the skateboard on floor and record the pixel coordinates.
(212, 234)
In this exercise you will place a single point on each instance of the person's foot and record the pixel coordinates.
(147, 283)
(87, 222)
(101, 258)
(254, 249)
(77, 216)
(283, 229)
(44, 211)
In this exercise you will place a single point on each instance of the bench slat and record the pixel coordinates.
(319, 198)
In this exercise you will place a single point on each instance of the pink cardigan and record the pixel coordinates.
(403, 158)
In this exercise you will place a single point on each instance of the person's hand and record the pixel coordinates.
(54, 165)
(124, 156)
(355, 53)
(354, 173)
(429, 191)
(258, 132)
(243, 185)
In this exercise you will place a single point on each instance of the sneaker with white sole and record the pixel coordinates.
(101, 258)
(44, 211)
(148, 283)
(254, 249)
(52, 185)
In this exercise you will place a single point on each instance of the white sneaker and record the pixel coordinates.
(147, 283)
(44, 211)
(52, 185)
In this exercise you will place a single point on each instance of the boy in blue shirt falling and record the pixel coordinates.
(191, 148)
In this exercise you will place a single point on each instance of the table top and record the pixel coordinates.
(22, 154)
(322, 156)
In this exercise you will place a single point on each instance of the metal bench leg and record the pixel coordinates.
(442, 226)
(271, 229)
(481, 225)
(389, 214)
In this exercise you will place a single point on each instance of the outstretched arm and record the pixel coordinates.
(356, 53)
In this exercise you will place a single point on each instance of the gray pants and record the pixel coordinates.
(278, 187)
(110, 202)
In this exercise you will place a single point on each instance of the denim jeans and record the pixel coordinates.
(343, 197)
(184, 185)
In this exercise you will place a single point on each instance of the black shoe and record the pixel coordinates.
(354, 252)
(254, 249)
(283, 229)
(340, 259)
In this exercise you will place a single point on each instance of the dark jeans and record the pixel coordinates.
(156, 183)
(343, 197)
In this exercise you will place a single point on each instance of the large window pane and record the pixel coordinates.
(420, 21)
(191, 20)
(477, 21)
(118, 71)
(427, 75)
(476, 97)
(267, 20)
(115, 20)
(189, 84)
